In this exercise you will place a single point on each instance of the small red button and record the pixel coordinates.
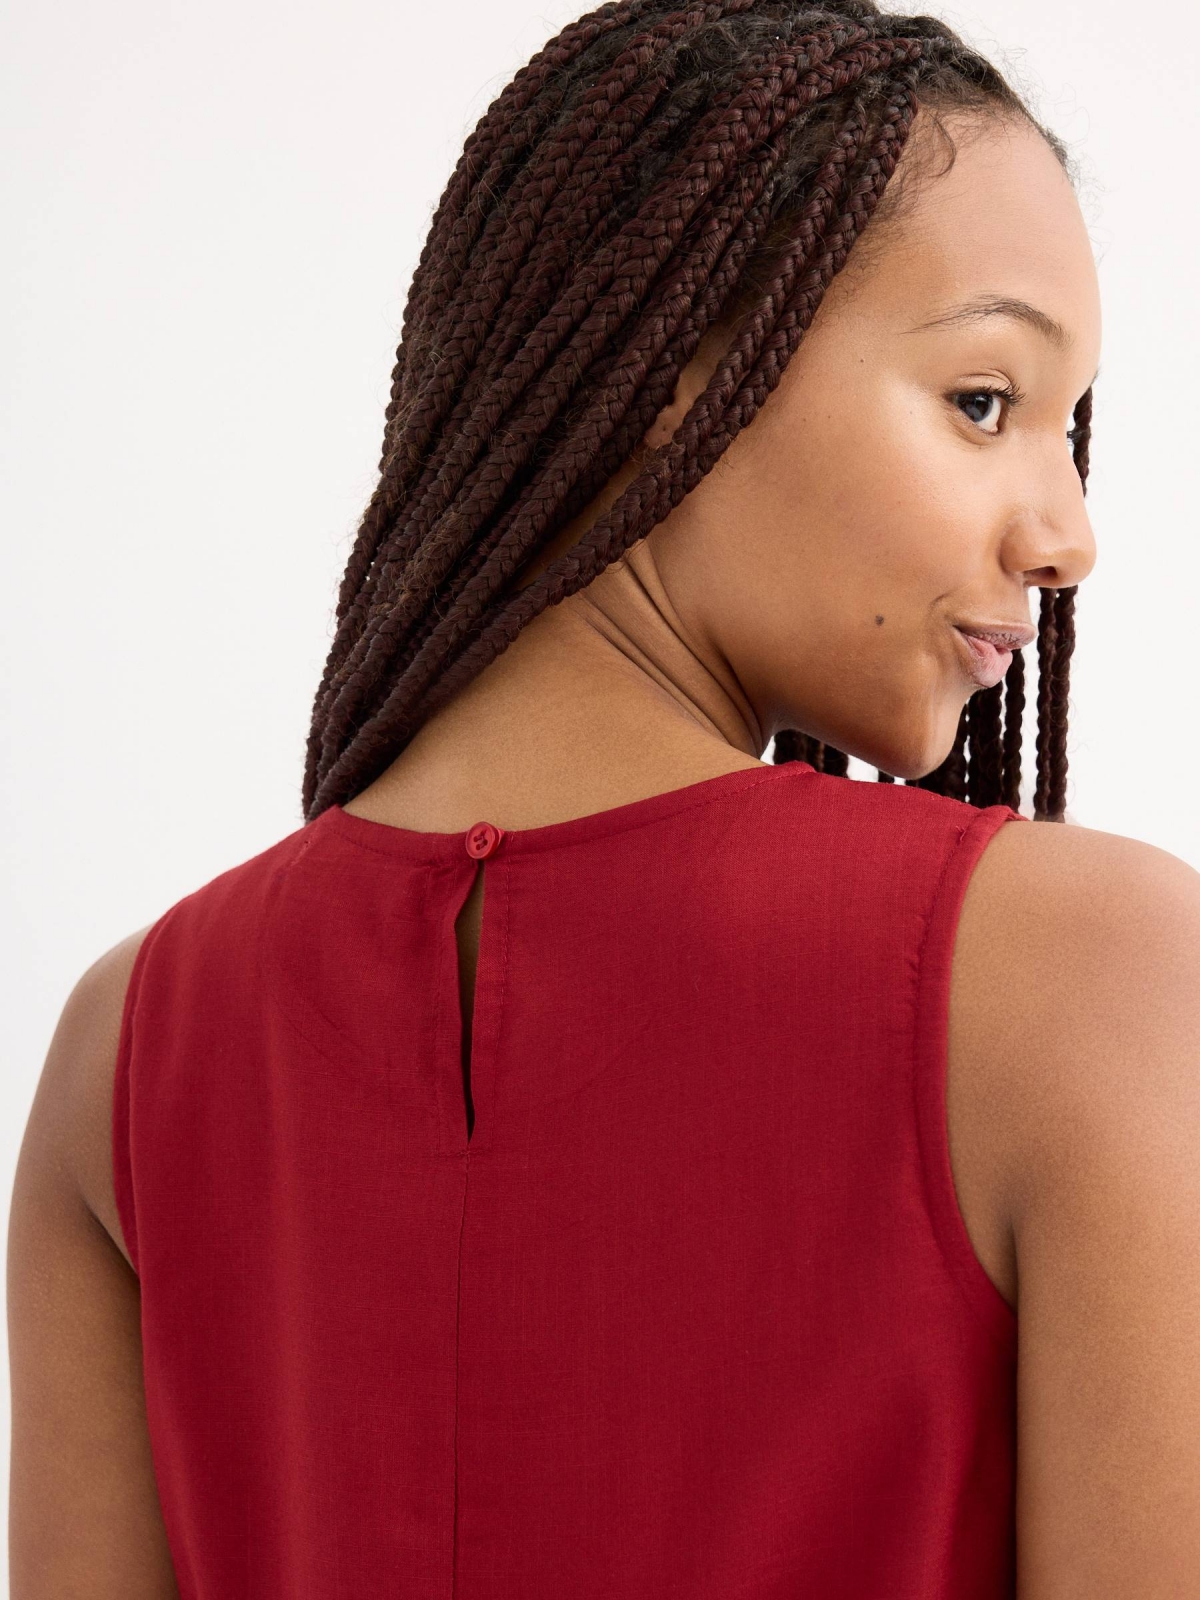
(482, 839)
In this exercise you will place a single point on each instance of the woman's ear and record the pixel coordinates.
(690, 384)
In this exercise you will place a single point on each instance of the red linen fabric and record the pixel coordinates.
(693, 1313)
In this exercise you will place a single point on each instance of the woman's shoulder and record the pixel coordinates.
(68, 1137)
(70, 1124)
(1075, 986)
(1074, 1091)
(1062, 924)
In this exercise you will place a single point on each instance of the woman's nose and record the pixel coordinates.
(1053, 545)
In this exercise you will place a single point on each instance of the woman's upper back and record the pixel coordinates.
(695, 1303)
(695, 1271)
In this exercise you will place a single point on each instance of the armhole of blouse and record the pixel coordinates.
(121, 1122)
(930, 1076)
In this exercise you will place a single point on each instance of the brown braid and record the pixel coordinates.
(1056, 642)
(1014, 715)
(985, 734)
(791, 745)
(656, 169)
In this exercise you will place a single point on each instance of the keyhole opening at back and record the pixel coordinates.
(467, 928)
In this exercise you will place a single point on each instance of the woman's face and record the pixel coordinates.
(881, 500)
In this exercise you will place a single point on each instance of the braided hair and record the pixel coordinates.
(655, 169)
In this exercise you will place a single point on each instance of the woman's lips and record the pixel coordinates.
(985, 662)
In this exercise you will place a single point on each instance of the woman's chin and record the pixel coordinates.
(902, 751)
(906, 762)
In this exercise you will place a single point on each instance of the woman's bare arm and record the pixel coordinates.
(84, 1515)
(1077, 995)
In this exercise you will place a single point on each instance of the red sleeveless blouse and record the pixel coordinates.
(693, 1312)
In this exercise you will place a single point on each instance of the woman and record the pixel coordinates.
(588, 1157)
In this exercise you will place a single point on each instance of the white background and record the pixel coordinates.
(212, 215)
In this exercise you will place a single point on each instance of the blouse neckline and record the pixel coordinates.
(393, 840)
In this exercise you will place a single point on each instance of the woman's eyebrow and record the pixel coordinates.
(981, 306)
(990, 305)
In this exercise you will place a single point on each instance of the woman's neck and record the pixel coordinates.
(600, 700)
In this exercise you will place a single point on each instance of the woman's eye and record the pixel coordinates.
(982, 406)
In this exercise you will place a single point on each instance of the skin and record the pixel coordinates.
(880, 508)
